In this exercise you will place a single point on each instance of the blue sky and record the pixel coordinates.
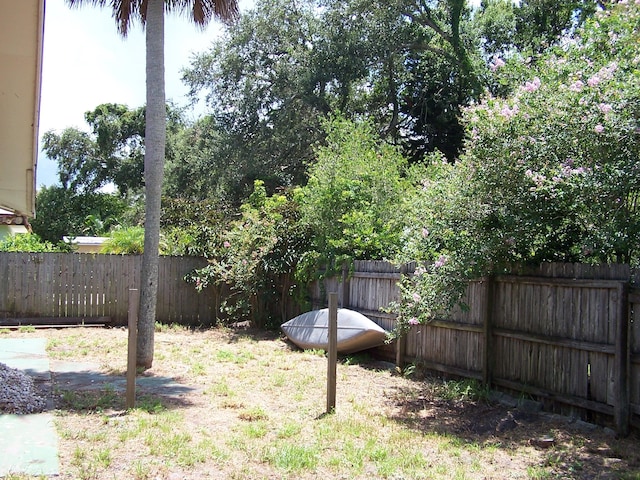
(86, 63)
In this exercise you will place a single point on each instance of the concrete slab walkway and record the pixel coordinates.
(29, 443)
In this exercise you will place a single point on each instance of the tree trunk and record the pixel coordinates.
(155, 134)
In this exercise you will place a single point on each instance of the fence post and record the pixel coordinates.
(332, 354)
(622, 406)
(345, 286)
(401, 338)
(487, 327)
(134, 303)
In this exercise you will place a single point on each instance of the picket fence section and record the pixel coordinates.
(63, 285)
(564, 334)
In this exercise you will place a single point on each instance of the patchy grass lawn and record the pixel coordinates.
(246, 405)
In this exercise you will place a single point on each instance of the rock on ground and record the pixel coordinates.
(18, 393)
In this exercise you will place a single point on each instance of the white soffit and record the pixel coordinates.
(21, 33)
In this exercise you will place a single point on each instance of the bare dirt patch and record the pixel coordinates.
(244, 404)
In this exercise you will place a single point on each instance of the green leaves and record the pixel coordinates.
(556, 162)
(256, 258)
(352, 197)
(30, 242)
(550, 173)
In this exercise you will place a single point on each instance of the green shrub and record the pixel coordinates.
(352, 197)
(124, 241)
(30, 242)
(256, 258)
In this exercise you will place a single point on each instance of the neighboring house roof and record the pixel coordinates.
(86, 244)
(21, 34)
(85, 240)
(9, 218)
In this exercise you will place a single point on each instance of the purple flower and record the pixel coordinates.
(507, 112)
(496, 64)
(226, 244)
(533, 85)
(606, 73)
(425, 232)
(442, 260)
(593, 81)
(416, 297)
(605, 108)
(413, 321)
(598, 128)
(576, 86)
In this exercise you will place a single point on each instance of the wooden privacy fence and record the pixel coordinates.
(564, 334)
(87, 285)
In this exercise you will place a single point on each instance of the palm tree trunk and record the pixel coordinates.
(155, 134)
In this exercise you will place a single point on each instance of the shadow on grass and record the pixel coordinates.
(253, 334)
(88, 390)
(570, 448)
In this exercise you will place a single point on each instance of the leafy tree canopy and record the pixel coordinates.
(409, 66)
(112, 152)
(30, 242)
(63, 212)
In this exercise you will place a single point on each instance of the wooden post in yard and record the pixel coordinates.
(134, 300)
(401, 339)
(401, 346)
(332, 353)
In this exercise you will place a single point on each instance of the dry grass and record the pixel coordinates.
(246, 405)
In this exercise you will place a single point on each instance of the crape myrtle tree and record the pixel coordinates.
(550, 173)
(151, 15)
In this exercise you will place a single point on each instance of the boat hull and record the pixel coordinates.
(355, 331)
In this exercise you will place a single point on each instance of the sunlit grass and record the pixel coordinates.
(256, 410)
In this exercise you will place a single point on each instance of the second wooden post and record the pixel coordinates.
(332, 353)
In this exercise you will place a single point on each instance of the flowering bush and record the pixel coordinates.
(256, 258)
(556, 163)
(550, 173)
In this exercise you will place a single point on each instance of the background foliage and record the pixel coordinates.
(463, 139)
(550, 173)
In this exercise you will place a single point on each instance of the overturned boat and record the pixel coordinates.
(356, 332)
